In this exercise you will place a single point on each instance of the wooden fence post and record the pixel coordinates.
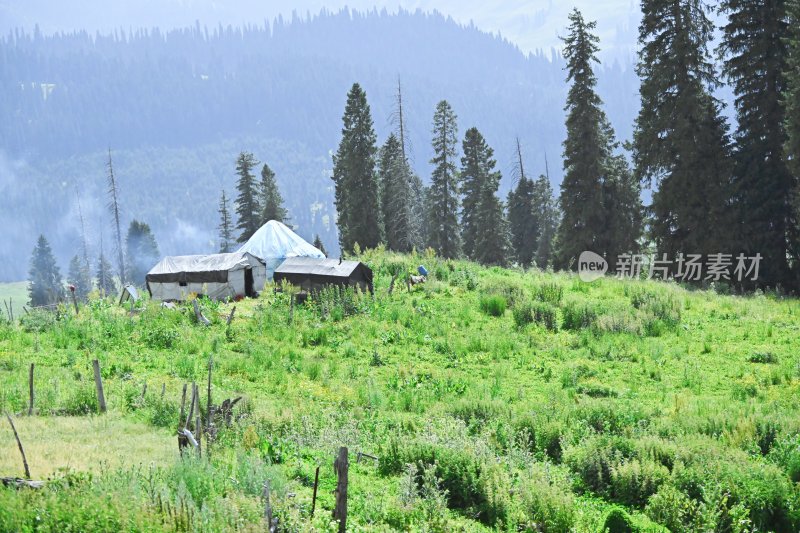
(267, 506)
(183, 405)
(340, 466)
(30, 391)
(191, 406)
(98, 383)
(314, 497)
(21, 450)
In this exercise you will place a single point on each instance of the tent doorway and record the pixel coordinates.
(249, 290)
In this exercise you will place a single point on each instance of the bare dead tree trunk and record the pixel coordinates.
(21, 449)
(114, 206)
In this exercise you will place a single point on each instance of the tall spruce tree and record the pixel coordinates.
(479, 221)
(523, 223)
(104, 277)
(248, 208)
(396, 196)
(141, 251)
(547, 216)
(318, 244)
(357, 194)
(791, 97)
(271, 199)
(680, 140)
(79, 277)
(596, 186)
(442, 199)
(755, 46)
(791, 101)
(45, 284)
(225, 227)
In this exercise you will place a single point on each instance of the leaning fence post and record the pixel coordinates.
(314, 497)
(183, 405)
(267, 506)
(30, 390)
(340, 466)
(98, 383)
(21, 450)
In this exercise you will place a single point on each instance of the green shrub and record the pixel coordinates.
(493, 305)
(511, 289)
(547, 502)
(767, 358)
(672, 509)
(38, 320)
(634, 481)
(617, 520)
(476, 411)
(82, 400)
(549, 292)
(578, 315)
(542, 313)
(594, 459)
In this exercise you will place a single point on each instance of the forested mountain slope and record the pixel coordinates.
(176, 108)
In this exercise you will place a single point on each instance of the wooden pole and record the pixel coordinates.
(208, 404)
(314, 497)
(163, 390)
(230, 317)
(267, 506)
(198, 428)
(183, 405)
(74, 299)
(21, 450)
(30, 391)
(98, 383)
(191, 405)
(340, 466)
(144, 391)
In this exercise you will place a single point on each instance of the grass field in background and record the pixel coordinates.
(16, 294)
(495, 400)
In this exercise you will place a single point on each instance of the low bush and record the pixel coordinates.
(766, 358)
(578, 314)
(493, 305)
(549, 292)
(542, 313)
(511, 289)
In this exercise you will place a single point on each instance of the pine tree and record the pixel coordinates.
(225, 227)
(547, 216)
(442, 198)
(492, 245)
(479, 182)
(755, 46)
(599, 213)
(248, 209)
(142, 251)
(791, 98)
(79, 277)
(791, 102)
(357, 194)
(45, 284)
(523, 223)
(680, 140)
(271, 198)
(396, 196)
(318, 244)
(104, 276)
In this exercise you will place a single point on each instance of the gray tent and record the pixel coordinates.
(217, 276)
(312, 274)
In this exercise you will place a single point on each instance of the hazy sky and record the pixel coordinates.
(531, 24)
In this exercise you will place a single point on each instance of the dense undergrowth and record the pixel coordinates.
(493, 399)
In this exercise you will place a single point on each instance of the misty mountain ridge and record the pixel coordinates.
(177, 106)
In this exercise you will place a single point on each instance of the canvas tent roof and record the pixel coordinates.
(274, 241)
(312, 274)
(200, 268)
(319, 267)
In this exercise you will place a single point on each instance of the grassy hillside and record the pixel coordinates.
(16, 295)
(493, 400)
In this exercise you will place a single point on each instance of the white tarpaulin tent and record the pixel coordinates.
(217, 276)
(274, 242)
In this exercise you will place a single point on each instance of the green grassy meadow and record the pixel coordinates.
(494, 400)
(16, 295)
